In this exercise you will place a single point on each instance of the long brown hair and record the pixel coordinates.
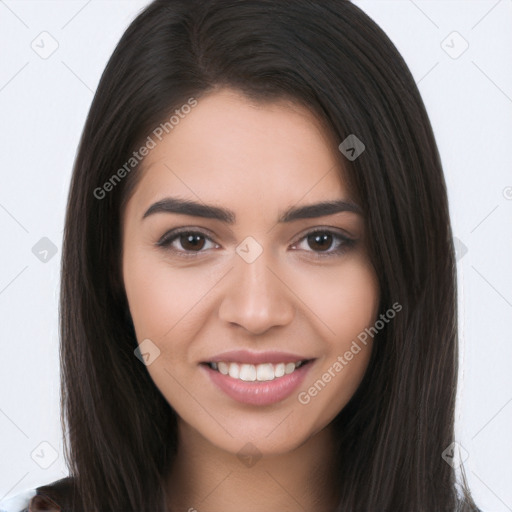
(331, 57)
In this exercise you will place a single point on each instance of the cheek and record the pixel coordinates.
(354, 301)
(159, 297)
(147, 295)
(347, 301)
(344, 298)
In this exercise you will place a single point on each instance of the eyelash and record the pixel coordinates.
(345, 243)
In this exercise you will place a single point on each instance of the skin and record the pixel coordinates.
(257, 160)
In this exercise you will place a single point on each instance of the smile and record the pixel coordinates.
(252, 373)
(259, 384)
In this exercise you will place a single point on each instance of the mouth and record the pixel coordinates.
(260, 383)
(263, 372)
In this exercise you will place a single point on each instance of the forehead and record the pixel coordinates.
(230, 148)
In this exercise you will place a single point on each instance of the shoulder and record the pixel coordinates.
(53, 497)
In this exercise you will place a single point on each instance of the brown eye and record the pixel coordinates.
(320, 241)
(323, 243)
(192, 241)
(186, 243)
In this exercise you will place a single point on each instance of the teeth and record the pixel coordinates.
(234, 370)
(289, 368)
(247, 372)
(252, 373)
(265, 372)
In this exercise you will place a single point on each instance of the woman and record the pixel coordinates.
(258, 303)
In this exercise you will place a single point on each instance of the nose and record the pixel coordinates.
(256, 297)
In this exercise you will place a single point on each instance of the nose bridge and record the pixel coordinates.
(254, 296)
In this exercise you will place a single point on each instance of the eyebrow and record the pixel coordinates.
(188, 207)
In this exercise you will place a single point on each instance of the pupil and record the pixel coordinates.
(319, 240)
(192, 240)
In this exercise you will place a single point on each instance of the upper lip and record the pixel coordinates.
(244, 356)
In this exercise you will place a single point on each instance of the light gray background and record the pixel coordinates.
(43, 105)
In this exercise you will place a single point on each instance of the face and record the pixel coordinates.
(255, 287)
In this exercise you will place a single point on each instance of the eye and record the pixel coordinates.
(190, 241)
(325, 243)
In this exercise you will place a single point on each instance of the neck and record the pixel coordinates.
(206, 478)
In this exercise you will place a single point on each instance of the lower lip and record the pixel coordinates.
(259, 393)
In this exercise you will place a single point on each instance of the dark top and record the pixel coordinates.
(53, 497)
